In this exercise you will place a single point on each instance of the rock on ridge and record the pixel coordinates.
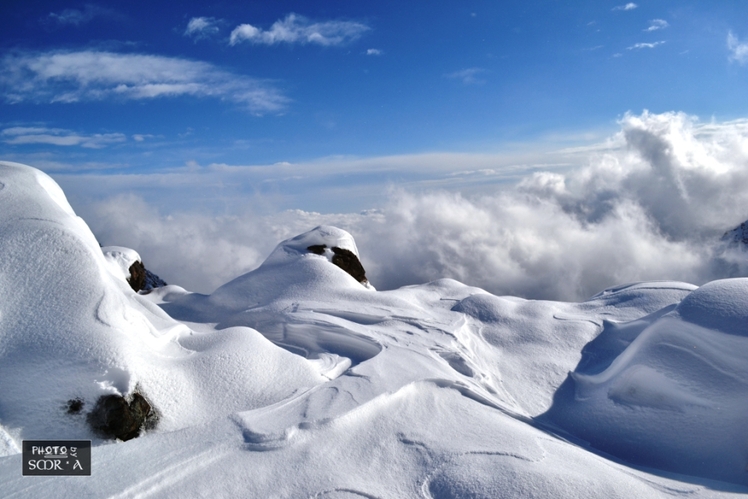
(343, 258)
(737, 236)
(126, 264)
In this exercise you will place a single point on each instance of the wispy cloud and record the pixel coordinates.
(202, 27)
(656, 24)
(468, 76)
(628, 6)
(76, 17)
(140, 137)
(638, 46)
(58, 137)
(93, 75)
(738, 51)
(373, 52)
(298, 29)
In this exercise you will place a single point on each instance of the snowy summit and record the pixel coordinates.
(299, 379)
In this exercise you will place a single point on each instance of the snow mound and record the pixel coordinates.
(670, 390)
(72, 329)
(718, 305)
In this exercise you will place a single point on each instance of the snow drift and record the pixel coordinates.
(297, 380)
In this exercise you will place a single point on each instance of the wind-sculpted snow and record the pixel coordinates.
(670, 390)
(296, 380)
(71, 328)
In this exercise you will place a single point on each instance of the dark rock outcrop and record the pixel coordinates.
(348, 261)
(317, 249)
(114, 417)
(137, 276)
(142, 279)
(737, 236)
(343, 258)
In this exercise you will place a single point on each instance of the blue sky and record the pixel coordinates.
(115, 91)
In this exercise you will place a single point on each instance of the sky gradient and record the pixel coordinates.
(480, 131)
(142, 86)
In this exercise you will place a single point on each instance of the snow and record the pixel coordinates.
(295, 380)
(120, 260)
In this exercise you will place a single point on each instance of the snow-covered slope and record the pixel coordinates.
(296, 380)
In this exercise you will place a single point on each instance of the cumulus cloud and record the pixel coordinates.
(638, 46)
(656, 24)
(373, 52)
(468, 76)
(647, 203)
(202, 27)
(58, 137)
(64, 76)
(298, 29)
(628, 6)
(738, 51)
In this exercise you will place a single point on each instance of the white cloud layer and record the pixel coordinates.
(638, 46)
(628, 6)
(58, 137)
(649, 203)
(657, 24)
(738, 51)
(298, 29)
(96, 75)
(202, 27)
(77, 17)
(468, 76)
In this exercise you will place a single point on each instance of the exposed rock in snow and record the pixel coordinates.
(126, 264)
(114, 416)
(343, 258)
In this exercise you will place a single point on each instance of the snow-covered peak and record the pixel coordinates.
(323, 235)
(738, 235)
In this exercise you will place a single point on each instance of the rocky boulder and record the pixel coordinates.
(343, 258)
(114, 417)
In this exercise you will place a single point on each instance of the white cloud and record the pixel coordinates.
(140, 137)
(638, 46)
(468, 76)
(628, 6)
(656, 24)
(58, 137)
(373, 52)
(94, 75)
(202, 27)
(75, 17)
(298, 29)
(738, 51)
(645, 204)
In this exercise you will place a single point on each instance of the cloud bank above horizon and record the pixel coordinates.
(649, 203)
